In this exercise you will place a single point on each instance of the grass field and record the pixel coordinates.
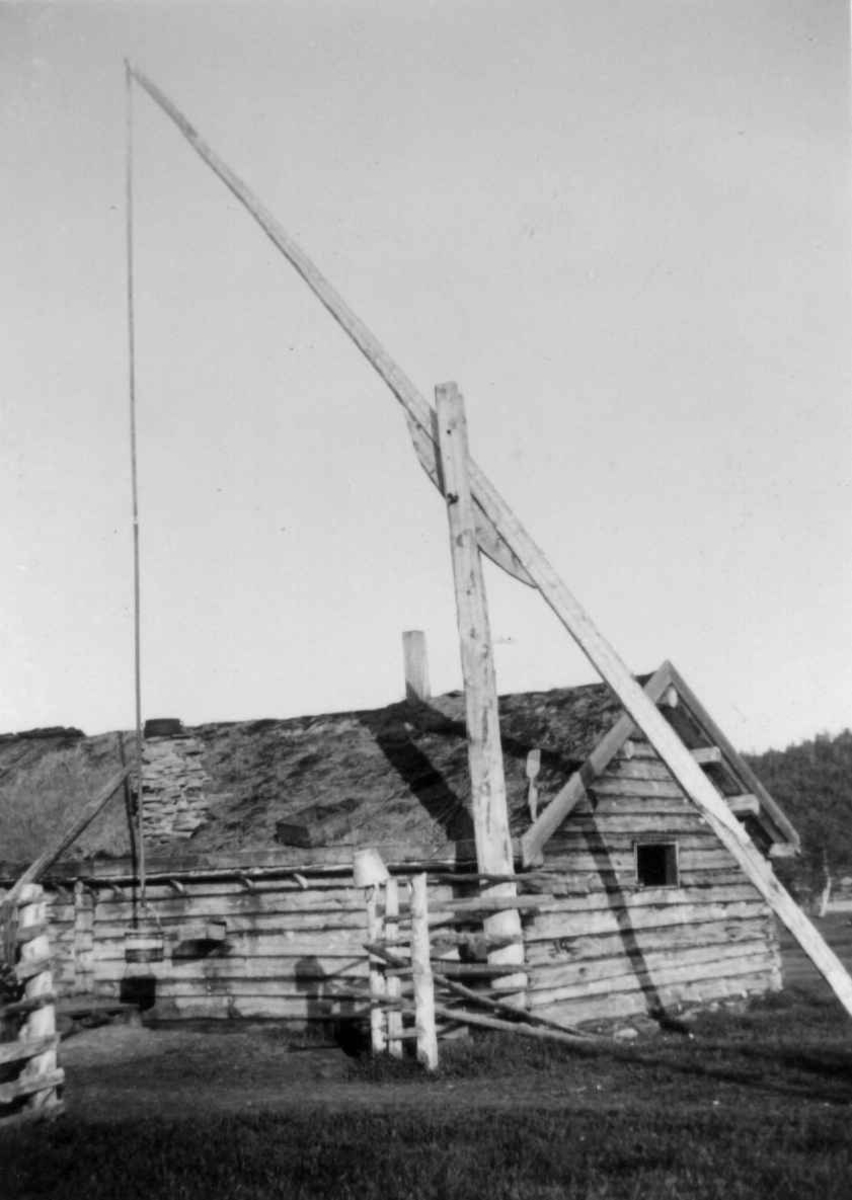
(752, 1105)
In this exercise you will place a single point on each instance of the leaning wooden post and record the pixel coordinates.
(421, 967)
(485, 753)
(40, 1023)
(393, 986)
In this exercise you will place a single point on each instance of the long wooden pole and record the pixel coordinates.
(485, 752)
(556, 594)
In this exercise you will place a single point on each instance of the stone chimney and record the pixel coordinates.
(174, 782)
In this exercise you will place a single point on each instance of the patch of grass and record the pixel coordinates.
(434, 1155)
(754, 1105)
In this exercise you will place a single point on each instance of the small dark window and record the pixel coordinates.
(656, 864)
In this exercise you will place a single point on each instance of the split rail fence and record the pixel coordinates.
(29, 1075)
(430, 977)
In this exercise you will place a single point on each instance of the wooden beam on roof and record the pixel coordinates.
(705, 756)
(519, 551)
(540, 832)
(485, 753)
(746, 805)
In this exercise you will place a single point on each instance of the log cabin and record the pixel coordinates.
(629, 904)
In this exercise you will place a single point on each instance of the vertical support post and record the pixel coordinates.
(82, 953)
(393, 986)
(41, 1022)
(375, 933)
(416, 665)
(485, 755)
(421, 966)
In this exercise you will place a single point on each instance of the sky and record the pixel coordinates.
(622, 229)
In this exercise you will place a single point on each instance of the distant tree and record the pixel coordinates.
(812, 781)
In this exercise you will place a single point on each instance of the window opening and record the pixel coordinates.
(656, 864)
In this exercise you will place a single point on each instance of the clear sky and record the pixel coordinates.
(622, 228)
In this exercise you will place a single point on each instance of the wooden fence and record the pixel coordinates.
(430, 977)
(29, 1076)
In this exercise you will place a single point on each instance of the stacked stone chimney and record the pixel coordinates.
(174, 784)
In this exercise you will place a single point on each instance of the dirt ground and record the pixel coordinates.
(116, 1072)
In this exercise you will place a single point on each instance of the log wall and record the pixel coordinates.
(621, 948)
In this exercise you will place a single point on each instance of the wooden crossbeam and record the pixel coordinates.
(706, 756)
(532, 565)
(746, 805)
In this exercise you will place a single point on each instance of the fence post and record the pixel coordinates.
(392, 982)
(375, 933)
(424, 990)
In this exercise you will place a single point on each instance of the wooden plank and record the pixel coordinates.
(28, 1085)
(621, 944)
(485, 753)
(615, 785)
(621, 1005)
(707, 755)
(558, 925)
(652, 978)
(27, 1048)
(637, 705)
(743, 806)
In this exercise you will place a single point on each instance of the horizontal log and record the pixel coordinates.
(337, 1002)
(213, 969)
(336, 860)
(615, 785)
(603, 826)
(27, 933)
(619, 842)
(621, 860)
(634, 768)
(237, 895)
(27, 1048)
(655, 973)
(744, 806)
(620, 1005)
(612, 898)
(661, 917)
(26, 1085)
(485, 904)
(541, 955)
(706, 756)
(29, 968)
(26, 1116)
(16, 1008)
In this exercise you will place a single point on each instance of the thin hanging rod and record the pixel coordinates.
(131, 349)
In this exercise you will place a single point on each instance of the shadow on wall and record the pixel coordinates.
(619, 903)
(331, 1008)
